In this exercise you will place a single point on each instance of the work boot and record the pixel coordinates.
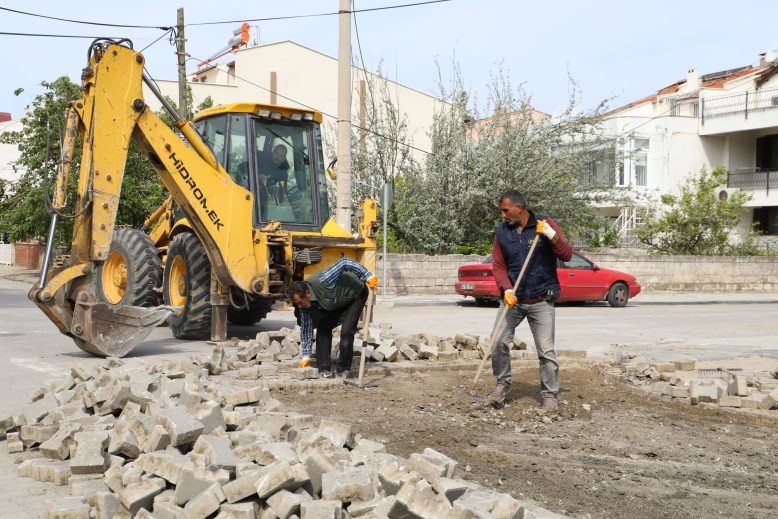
(549, 404)
(498, 393)
(342, 374)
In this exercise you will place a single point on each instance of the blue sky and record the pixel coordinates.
(614, 49)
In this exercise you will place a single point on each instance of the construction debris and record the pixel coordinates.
(681, 380)
(176, 440)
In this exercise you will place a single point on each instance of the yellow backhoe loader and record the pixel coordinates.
(247, 213)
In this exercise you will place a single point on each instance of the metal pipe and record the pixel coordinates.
(49, 246)
(154, 90)
(184, 126)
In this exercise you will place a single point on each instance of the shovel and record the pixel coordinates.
(365, 332)
(499, 325)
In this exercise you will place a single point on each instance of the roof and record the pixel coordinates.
(712, 80)
(256, 108)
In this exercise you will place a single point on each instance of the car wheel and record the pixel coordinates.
(618, 295)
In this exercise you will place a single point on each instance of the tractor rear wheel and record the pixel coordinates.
(257, 310)
(132, 273)
(186, 285)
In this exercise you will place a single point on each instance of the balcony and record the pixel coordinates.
(750, 110)
(753, 178)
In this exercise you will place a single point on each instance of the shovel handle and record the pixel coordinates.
(499, 326)
(365, 333)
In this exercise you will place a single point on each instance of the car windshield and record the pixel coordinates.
(488, 259)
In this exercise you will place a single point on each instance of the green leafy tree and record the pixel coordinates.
(452, 204)
(696, 221)
(22, 206)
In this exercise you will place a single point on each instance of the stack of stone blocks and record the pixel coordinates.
(273, 356)
(175, 441)
(679, 379)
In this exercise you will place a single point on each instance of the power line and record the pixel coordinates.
(38, 35)
(169, 31)
(313, 15)
(357, 126)
(361, 57)
(82, 21)
(166, 27)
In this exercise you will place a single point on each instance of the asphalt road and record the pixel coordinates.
(35, 352)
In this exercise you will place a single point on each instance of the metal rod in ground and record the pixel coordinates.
(499, 325)
(365, 333)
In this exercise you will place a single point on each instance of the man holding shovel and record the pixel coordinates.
(335, 295)
(534, 298)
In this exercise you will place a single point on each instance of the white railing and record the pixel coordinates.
(626, 223)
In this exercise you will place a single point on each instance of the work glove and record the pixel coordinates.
(509, 298)
(545, 229)
(372, 282)
(305, 362)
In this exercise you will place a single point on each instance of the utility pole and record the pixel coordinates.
(362, 132)
(181, 51)
(343, 198)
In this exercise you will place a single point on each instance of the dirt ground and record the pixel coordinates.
(632, 455)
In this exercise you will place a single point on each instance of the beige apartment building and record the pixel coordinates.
(287, 73)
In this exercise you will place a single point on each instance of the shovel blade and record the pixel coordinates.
(108, 331)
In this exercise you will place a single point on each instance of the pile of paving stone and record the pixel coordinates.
(680, 379)
(174, 441)
(271, 355)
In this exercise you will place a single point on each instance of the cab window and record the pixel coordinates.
(214, 132)
(237, 158)
(283, 171)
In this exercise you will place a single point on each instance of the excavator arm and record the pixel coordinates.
(111, 112)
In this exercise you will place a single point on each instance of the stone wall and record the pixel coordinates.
(417, 274)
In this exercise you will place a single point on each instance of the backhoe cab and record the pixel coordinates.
(247, 213)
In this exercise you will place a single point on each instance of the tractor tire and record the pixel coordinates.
(618, 295)
(132, 274)
(258, 309)
(187, 284)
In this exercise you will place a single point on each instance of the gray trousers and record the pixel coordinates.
(541, 323)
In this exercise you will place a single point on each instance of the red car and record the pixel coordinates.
(581, 280)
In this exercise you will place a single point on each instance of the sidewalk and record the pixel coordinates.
(644, 298)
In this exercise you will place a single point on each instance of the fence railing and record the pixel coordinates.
(753, 178)
(741, 104)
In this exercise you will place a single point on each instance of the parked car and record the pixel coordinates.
(580, 278)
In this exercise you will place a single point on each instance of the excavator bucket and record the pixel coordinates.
(108, 331)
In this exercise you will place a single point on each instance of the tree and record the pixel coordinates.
(380, 145)
(22, 206)
(453, 203)
(697, 221)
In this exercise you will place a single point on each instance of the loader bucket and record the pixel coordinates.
(109, 331)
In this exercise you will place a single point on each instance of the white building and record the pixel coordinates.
(727, 118)
(301, 77)
(8, 152)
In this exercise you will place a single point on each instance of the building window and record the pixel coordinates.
(673, 107)
(695, 109)
(766, 220)
(640, 161)
(601, 168)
